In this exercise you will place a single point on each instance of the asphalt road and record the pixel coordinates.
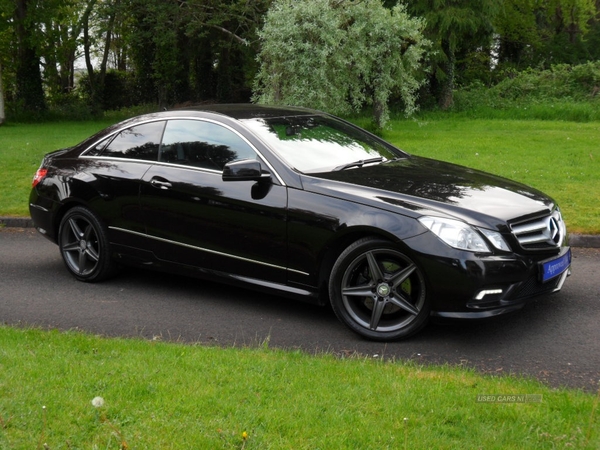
(555, 339)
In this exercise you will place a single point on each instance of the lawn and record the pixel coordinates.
(155, 395)
(559, 158)
(151, 394)
(22, 147)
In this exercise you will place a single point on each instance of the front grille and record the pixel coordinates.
(533, 287)
(541, 233)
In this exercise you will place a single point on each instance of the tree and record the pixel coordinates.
(28, 74)
(541, 33)
(4, 15)
(226, 36)
(339, 55)
(59, 30)
(454, 26)
(193, 50)
(2, 114)
(102, 20)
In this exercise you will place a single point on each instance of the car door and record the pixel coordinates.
(195, 218)
(113, 169)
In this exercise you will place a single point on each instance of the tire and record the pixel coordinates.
(378, 291)
(84, 246)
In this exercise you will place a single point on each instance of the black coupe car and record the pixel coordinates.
(303, 204)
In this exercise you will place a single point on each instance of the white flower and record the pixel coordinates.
(98, 402)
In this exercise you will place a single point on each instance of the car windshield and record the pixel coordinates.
(313, 144)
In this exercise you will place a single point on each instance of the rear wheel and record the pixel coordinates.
(378, 291)
(84, 245)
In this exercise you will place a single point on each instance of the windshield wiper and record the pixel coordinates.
(359, 163)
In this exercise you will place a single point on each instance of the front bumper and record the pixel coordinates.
(513, 298)
(466, 285)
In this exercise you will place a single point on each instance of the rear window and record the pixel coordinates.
(138, 142)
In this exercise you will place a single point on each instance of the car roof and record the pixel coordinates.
(242, 111)
(235, 111)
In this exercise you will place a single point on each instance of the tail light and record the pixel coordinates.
(39, 176)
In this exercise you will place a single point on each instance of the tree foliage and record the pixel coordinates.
(456, 28)
(28, 73)
(5, 13)
(59, 29)
(2, 112)
(172, 51)
(539, 33)
(339, 56)
(194, 50)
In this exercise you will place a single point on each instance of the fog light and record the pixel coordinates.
(487, 292)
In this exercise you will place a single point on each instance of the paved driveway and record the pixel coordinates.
(555, 339)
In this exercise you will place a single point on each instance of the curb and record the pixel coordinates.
(584, 240)
(16, 222)
(575, 240)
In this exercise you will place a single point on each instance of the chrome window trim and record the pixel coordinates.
(201, 119)
(113, 133)
(207, 250)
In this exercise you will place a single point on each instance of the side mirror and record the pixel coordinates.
(245, 170)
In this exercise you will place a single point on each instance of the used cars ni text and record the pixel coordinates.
(305, 205)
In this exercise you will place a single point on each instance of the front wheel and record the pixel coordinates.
(378, 291)
(84, 245)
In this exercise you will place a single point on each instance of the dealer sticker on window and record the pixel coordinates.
(555, 267)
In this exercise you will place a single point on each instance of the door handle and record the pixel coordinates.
(160, 184)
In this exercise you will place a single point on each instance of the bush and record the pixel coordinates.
(563, 92)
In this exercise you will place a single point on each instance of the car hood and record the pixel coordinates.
(426, 186)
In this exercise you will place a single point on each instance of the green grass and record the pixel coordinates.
(171, 396)
(560, 158)
(22, 147)
(161, 395)
(557, 110)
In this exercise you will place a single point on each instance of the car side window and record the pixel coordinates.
(139, 142)
(202, 144)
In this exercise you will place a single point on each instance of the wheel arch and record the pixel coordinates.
(339, 243)
(64, 207)
(84, 244)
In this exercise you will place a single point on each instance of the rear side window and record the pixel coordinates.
(139, 142)
(202, 144)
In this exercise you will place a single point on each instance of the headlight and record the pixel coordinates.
(460, 235)
(455, 233)
(496, 239)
